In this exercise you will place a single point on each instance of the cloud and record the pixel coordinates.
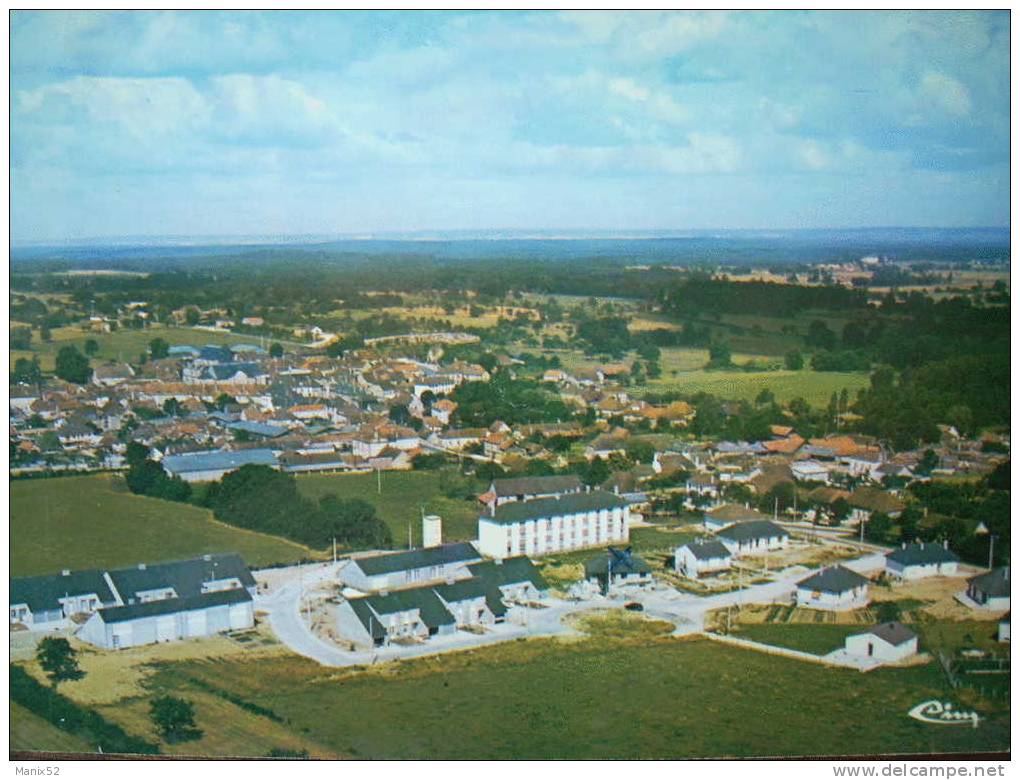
(946, 93)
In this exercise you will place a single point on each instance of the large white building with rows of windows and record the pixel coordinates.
(548, 525)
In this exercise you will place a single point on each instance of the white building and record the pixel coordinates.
(924, 559)
(889, 642)
(834, 588)
(727, 514)
(503, 491)
(704, 556)
(212, 465)
(549, 525)
(810, 471)
(990, 590)
(410, 567)
(756, 536)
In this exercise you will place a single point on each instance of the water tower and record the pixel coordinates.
(431, 530)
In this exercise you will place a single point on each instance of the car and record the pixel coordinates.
(634, 606)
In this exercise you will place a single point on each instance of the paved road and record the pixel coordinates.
(686, 611)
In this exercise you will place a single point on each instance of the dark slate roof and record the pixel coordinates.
(258, 429)
(534, 486)
(41, 593)
(707, 549)
(512, 571)
(756, 529)
(993, 583)
(169, 606)
(425, 600)
(456, 552)
(461, 590)
(569, 504)
(893, 633)
(368, 619)
(921, 554)
(833, 579)
(227, 370)
(623, 562)
(215, 460)
(185, 577)
(214, 353)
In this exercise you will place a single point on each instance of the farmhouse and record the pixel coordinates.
(752, 537)
(727, 514)
(617, 567)
(401, 569)
(405, 615)
(212, 465)
(703, 556)
(834, 588)
(990, 590)
(914, 561)
(547, 525)
(889, 642)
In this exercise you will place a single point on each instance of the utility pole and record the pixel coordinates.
(991, 550)
(378, 480)
(334, 551)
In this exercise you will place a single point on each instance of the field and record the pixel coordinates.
(93, 521)
(815, 387)
(31, 732)
(624, 692)
(404, 496)
(123, 344)
(809, 638)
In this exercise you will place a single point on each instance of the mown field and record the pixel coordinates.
(122, 345)
(31, 732)
(810, 638)
(403, 496)
(93, 521)
(815, 387)
(618, 694)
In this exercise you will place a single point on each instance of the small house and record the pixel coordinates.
(728, 514)
(700, 557)
(617, 567)
(924, 559)
(834, 588)
(889, 642)
(990, 590)
(756, 536)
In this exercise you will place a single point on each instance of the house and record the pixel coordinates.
(924, 559)
(47, 602)
(866, 500)
(468, 602)
(727, 514)
(548, 525)
(617, 567)
(173, 601)
(502, 491)
(112, 374)
(411, 615)
(401, 569)
(459, 438)
(517, 579)
(212, 465)
(753, 536)
(991, 589)
(702, 556)
(834, 588)
(889, 642)
(810, 471)
(253, 322)
(702, 485)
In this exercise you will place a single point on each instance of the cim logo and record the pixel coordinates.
(942, 713)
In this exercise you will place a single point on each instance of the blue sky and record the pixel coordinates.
(231, 124)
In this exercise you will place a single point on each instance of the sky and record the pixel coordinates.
(135, 124)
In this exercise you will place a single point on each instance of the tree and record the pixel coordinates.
(73, 366)
(595, 473)
(353, 522)
(399, 414)
(276, 350)
(794, 360)
(877, 528)
(192, 315)
(929, 460)
(158, 348)
(999, 478)
(175, 719)
(173, 408)
(26, 372)
(58, 659)
(765, 397)
(91, 347)
(136, 454)
(719, 355)
(640, 451)
(223, 401)
(44, 333)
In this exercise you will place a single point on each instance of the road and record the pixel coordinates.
(686, 611)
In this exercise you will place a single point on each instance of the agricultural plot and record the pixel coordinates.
(93, 521)
(518, 700)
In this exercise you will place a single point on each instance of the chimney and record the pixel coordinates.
(904, 547)
(945, 544)
(65, 572)
(141, 566)
(206, 557)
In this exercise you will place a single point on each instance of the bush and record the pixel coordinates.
(175, 719)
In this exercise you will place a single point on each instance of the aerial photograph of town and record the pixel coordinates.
(510, 385)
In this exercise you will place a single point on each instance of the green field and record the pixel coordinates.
(626, 695)
(818, 639)
(401, 501)
(815, 387)
(93, 521)
(122, 345)
(31, 732)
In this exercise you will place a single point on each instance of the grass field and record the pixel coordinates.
(93, 521)
(810, 638)
(815, 387)
(31, 732)
(404, 495)
(122, 345)
(545, 699)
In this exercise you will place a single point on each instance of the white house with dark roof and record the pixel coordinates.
(923, 559)
(700, 557)
(991, 589)
(834, 588)
(502, 491)
(410, 567)
(727, 514)
(548, 525)
(48, 601)
(887, 642)
(413, 614)
(755, 536)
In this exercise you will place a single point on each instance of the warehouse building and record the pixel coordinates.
(410, 567)
(211, 466)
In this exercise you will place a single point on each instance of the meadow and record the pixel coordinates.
(94, 521)
(620, 693)
(29, 731)
(123, 344)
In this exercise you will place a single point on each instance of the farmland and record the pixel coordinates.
(93, 521)
(531, 700)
